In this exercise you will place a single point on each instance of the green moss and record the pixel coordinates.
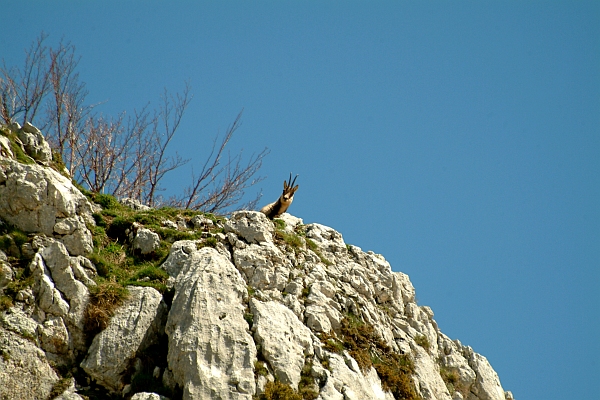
(20, 155)
(208, 242)
(107, 201)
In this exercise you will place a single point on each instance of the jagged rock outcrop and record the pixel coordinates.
(40, 200)
(250, 306)
(211, 352)
(136, 325)
(25, 372)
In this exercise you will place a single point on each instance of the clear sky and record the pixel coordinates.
(461, 140)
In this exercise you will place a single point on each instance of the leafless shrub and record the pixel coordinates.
(125, 156)
(22, 90)
(222, 183)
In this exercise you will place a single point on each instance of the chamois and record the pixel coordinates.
(277, 208)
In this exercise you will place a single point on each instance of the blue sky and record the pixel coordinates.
(460, 140)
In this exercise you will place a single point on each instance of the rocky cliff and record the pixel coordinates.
(115, 300)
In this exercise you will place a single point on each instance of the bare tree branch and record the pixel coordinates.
(22, 90)
(126, 155)
(220, 186)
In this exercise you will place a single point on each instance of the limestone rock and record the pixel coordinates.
(136, 325)
(345, 381)
(487, 385)
(200, 222)
(252, 226)
(211, 352)
(148, 396)
(251, 294)
(291, 222)
(24, 371)
(134, 204)
(283, 339)
(6, 274)
(35, 144)
(6, 148)
(144, 240)
(264, 265)
(34, 198)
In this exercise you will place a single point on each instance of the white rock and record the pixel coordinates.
(146, 241)
(25, 374)
(6, 274)
(429, 382)
(35, 144)
(33, 198)
(134, 204)
(6, 148)
(69, 393)
(211, 353)
(348, 383)
(148, 396)
(200, 221)
(487, 385)
(291, 222)
(17, 321)
(54, 336)
(136, 325)
(284, 340)
(253, 226)
(264, 265)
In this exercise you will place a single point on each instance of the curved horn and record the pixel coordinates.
(294, 180)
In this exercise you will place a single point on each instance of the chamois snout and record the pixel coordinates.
(275, 209)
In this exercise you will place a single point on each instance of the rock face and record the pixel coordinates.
(253, 307)
(41, 200)
(137, 324)
(211, 352)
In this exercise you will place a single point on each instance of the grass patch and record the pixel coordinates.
(452, 381)
(307, 384)
(315, 249)
(422, 341)
(22, 279)
(260, 369)
(279, 223)
(363, 344)
(104, 300)
(18, 152)
(278, 391)
(59, 387)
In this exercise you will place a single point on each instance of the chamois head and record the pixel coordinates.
(275, 209)
(288, 190)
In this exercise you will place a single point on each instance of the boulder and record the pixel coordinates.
(148, 396)
(211, 352)
(144, 240)
(34, 143)
(40, 200)
(345, 381)
(252, 226)
(284, 340)
(25, 373)
(137, 324)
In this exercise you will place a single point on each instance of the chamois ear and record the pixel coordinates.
(294, 189)
(285, 185)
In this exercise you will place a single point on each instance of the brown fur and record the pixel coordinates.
(274, 210)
